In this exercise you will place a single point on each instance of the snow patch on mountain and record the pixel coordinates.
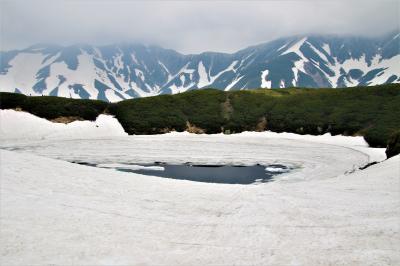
(233, 83)
(22, 73)
(319, 53)
(118, 72)
(265, 83)
(203, 76)
(391, 67)
(295, 48)
(228, 69)
(84, 74)
(327, 48)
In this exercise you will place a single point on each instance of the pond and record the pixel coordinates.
(227, 174)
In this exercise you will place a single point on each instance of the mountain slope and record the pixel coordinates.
(124, 71)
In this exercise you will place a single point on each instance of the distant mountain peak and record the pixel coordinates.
(122, 71)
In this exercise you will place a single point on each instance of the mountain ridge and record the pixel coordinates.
(123, 71)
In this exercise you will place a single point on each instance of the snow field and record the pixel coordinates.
(323, 213)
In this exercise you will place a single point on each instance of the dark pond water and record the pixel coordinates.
(227, 174)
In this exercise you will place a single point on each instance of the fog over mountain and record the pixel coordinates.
(188, 26)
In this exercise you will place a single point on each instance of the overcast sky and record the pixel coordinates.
(188, 26)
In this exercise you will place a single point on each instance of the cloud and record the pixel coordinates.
(187, 26)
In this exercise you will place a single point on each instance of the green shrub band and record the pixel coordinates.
(372, 112)
(51, 107)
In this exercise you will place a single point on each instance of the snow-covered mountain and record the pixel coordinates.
(124, 71)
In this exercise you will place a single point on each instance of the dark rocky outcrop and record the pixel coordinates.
(393, 147)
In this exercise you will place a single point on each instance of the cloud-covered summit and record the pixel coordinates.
(187, 26)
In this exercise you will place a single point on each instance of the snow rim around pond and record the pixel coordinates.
(20, 130)
(60, 213)
(19, 126)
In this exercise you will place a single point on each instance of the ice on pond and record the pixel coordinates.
(276, 168)
(131, 167)
(227, 174)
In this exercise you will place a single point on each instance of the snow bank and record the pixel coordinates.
(357, 143)
(54, 212)
(22, 126)
(327, 138)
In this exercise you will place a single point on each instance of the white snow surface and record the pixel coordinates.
(327, 48)
(295, 48)
(265, 83)
(231, 67)
(319, 53)
(130, 166)
(230, 86)
(16, 125)
(84, 75)
(326, 212)
(203, 76)
(276, 169)
(22, 73)
(112, 96)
